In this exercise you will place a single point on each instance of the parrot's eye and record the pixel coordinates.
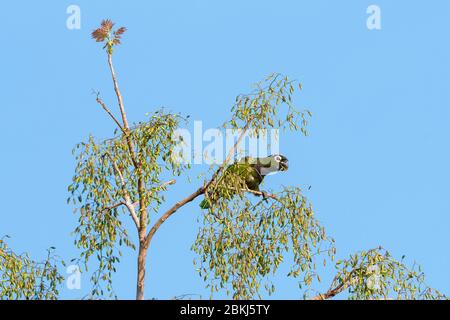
(277, 158)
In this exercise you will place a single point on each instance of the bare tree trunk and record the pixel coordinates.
(141, 271)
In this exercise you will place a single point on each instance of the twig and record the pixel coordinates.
(114, 206)
(118, 94)
(130, 205)
(168, 183)
(332, 292)
(100, 102)
(261, 193)
(338, 289)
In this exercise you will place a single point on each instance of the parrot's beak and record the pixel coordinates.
(284, 165)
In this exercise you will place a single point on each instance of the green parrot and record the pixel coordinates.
(252, 171)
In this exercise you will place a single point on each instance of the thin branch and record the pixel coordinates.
(114, 206)
(262, 194)
(118, 94)
(169, 212)
(130, 206)
(332, 292)
(142, 222)
(100, 102)
(339, 288)
(117, 170)
(168, 183)
(126, 127)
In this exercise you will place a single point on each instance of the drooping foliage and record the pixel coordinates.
(242, 242)
(23, 278)
(376, 274)
(105, 175)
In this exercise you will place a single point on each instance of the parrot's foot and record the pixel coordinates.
(264, 195)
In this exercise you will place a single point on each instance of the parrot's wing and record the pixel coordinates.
(248, 160)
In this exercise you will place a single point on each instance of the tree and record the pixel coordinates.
(241, 240)
(375, 274)
(23, 278)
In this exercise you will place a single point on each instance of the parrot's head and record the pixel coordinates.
(281, 161)
(273, 164)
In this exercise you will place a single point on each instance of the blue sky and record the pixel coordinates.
(377, 157)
